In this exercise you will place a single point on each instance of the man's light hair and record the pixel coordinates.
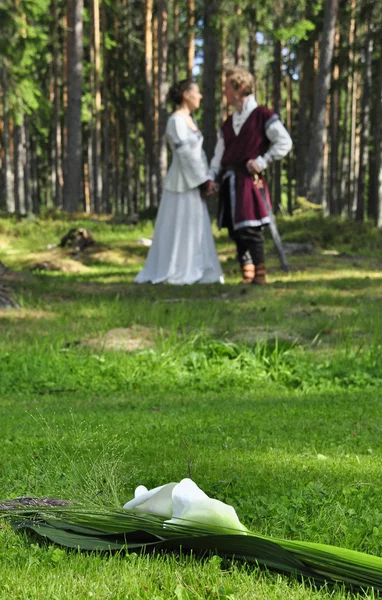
(238, 76)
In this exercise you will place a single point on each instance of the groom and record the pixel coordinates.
(250, 139)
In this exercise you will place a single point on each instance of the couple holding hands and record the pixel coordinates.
(183, 249)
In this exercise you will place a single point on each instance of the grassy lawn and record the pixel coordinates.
(270, 397)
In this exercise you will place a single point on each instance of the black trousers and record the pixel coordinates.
(249, 244)
(249, 240)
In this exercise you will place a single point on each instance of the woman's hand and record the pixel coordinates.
(207, 188)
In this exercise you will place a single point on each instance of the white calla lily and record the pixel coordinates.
(157, 501)
(185, 503)
(190, 505)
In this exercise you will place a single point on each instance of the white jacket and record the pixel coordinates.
(189, 167)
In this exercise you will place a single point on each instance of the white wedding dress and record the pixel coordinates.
(183, 249)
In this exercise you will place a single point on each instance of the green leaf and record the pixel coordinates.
(76, 527)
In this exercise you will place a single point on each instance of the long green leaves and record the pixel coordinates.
(97, 530)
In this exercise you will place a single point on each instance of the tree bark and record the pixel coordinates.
(223, 63)
(73, 168)
(365, 123)
(9, 197)
(345, 130)
(148, 105)
(276, 179)
(175, 43)
(211, 11)
(106, 204)
(27, 166)
(355, 144)
(96, 125)
(57, 177)
(289, 104)
(190, 37)
(35, 189)
(304, 120)
(252, 44)
(315, 152)
(375, 159)
(162, 92)
(378, 146)
(19, 162)
(238, 51)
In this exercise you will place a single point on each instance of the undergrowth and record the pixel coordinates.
(200, 363)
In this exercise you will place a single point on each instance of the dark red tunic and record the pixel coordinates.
(247, 206)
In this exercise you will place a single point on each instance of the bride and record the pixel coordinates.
(183, 249)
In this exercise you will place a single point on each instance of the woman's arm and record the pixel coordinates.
(188, 150)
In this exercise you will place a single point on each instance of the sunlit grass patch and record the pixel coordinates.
(268, 396)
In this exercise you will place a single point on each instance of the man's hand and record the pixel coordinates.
(253, 167)
(207, 188)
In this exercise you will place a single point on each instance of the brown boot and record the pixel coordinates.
(260, 275)
(248, 273)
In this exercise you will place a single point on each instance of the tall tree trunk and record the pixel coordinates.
(106, 204)
(162, 91)
(115, 133)
(155, 165)
(148, 105)
(35, 192)
(73, 168)
(325, 161)
(365, 124)
(116, 177)
(351, 101)
(378, 147)
(354, 145)
(306, 88)
(89, 173)
(379, 174)
(276, 197)
(238, 50)
(175, 51)
(127, 165)
(137, 174)
(346, 131)
(223, 63)
(334, 122)
(9, 200)
(376, 130)
(252, 44)
(57, 177)
(190, 37)
(315, 152)
(211, 11)
(88, 192)
(289, 103)
(19, 162)
(27, 166)
(127, 120)
(96, 125)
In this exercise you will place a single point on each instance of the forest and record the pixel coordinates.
(84, 85)
(266, 397)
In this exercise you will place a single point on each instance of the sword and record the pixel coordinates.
(272, 226)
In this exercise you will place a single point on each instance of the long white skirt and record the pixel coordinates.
(183, 249)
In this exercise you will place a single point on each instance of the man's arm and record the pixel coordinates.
(281, 144)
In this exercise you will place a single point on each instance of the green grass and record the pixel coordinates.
(269, 397)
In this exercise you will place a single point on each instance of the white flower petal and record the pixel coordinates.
(190, 505)
(140, 490)
(157, 501)
(184, 495)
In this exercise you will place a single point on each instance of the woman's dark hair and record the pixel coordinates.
(177, 90)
